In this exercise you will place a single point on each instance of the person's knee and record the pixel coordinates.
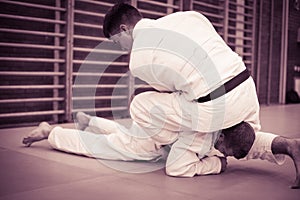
(54, 134)
(175, 169)
(172, 171)
(176, 172)
(139, 106)
(141, 99)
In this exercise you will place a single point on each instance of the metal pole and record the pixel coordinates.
(259, 47)
(284, 49)
(56, 56)
(226, 20)
(253, 39)
(170, 10)
(269, 82)
(69, 60)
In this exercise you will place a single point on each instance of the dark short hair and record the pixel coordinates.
(240, 138)
(120, 13)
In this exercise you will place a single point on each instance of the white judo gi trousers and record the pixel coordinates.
(106, 139)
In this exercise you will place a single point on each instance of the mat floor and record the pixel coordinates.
(41, 173)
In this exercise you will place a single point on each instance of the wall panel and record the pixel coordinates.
(32, 69)
(55, 60)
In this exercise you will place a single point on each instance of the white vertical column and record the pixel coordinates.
(170, 10)
(240, 26)
(69, 59)
(226, 20)
(56, 56)
(284, 49)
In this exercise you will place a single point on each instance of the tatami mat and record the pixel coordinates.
(40, 172)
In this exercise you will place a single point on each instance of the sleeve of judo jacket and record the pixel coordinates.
(187, 156)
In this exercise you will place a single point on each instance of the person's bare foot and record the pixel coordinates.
(294, 149)
(82, 120)
(40, 133)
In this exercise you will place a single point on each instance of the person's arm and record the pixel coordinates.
(186, 160)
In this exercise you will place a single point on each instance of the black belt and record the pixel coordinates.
(227, 87)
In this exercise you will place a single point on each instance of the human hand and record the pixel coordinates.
(223, 163)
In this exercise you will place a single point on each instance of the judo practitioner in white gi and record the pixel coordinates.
(202, 87)
(106, 139)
